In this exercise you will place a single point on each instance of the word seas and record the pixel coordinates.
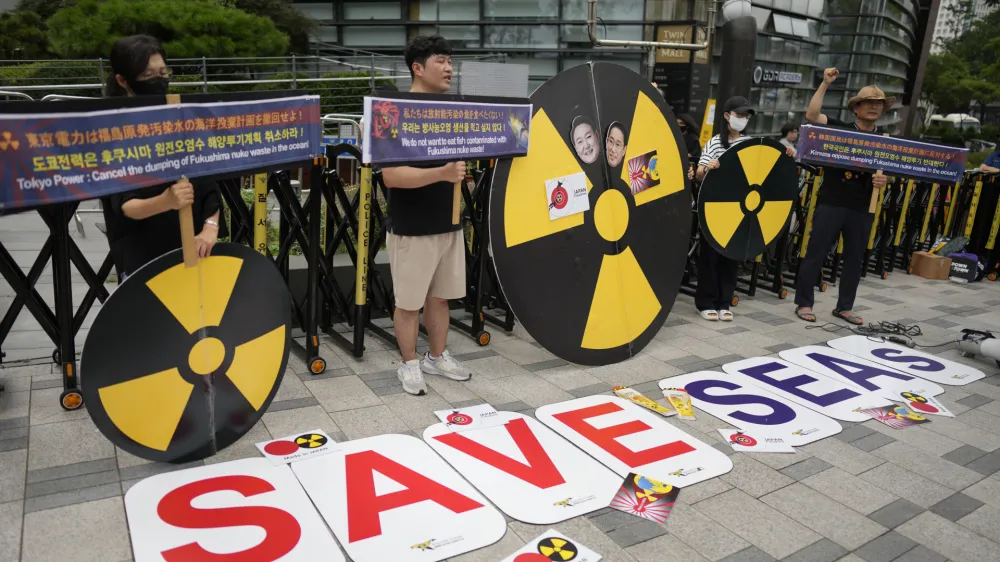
(396, 497)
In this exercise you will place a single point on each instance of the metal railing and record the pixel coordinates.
(341, 77)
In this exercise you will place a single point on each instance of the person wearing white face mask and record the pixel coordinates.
(717, 274)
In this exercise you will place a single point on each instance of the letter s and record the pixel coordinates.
(916, 363)
(282, 531)
(780, 413)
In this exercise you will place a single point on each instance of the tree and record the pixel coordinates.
(44, 8)
(187, 29)
(22, 36)
(949, 84)
(287, 18)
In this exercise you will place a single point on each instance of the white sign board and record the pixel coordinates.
(910, 361)
(852, 370)
(526, 469)
(390, 497)
(628, 438)
(808, 388)
(248, 509)
(553, 545)
(735, 399)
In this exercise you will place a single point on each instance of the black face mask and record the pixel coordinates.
(153, 87)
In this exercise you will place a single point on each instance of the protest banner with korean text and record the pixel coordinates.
(412, 128)
(857, 150)
(53, 156)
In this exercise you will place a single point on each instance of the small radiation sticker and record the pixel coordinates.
(298, 447)
(470, 418)
(757, 443)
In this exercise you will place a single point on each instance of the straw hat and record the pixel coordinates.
(871, 93)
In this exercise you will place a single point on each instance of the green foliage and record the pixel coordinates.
(44, 8)
(969, 67)
(288, 19)
(55, 73)
(187, 29)
(976, 159)
(22, 36)
(335, 96)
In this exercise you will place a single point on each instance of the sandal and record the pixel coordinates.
(849, 317)
(807, 316)
(710, 315)
(726, 315)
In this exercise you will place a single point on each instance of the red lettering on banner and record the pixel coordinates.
(605, 438)
(364, 507)
(539, 470)
(280, 527)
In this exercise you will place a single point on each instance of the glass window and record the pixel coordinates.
(807, 54)
(800, 27)
(371, 11)
(466, 36)
(814, 29)
(800, 99)
(777, 48)
(578, 33)
(783, 5)
(792, 51)
(623, 10)
(782, 24)
(323, 11)
(800, 6)
(768, 98)
(765, 3)
(754, 97)
(784, 99)
(326, 34)
(446, 10)
(842, 25)
(815, 8)
(761, 15)
(375, 36)
(538, 66)
(522, 36)
(632, 65)
(514, 9)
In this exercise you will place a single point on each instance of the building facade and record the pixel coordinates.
(871, 41)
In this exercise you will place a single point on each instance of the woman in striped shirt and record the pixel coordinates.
(717, 274)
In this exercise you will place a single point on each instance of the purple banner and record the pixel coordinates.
(824, 146)
(411, 130)
(50, 158)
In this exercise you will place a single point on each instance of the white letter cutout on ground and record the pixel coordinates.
(853, 370)
(526, 469)
(628, 438)
(390, 497)
(247, 509)
(910, 361)
(808, 388)
(736, 400)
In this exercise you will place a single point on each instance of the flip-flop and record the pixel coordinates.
(852, 319)
(807, 316)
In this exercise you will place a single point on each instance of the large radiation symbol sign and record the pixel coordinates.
(181, 362)
(593, 282)
(744, 205)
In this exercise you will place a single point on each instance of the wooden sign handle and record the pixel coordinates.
(457, 204)
(875, 191)
(188, 246)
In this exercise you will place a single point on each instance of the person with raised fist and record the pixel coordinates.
(842, 207)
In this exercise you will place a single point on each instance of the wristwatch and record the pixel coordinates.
(212, 222)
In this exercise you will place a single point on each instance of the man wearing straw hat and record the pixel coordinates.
(842, 207)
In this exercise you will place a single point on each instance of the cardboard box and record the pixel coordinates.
(930, 266)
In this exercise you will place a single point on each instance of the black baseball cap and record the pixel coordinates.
(738, 104)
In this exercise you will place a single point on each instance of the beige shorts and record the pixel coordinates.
(426, 266)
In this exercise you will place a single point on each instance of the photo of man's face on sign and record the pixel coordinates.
(615, 144)
(586, 141)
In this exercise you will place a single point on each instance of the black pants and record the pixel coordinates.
(828, 224)
(716, 279)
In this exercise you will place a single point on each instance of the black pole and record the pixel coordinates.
(739, 47)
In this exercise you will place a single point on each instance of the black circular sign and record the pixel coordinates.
(745, 204)
(593, 280)
(181, 362)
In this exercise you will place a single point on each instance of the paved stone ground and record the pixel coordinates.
(870, 493)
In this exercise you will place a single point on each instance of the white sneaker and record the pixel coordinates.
(444, 366)
(413, 381)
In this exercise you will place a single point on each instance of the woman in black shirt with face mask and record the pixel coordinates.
(146, 224)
